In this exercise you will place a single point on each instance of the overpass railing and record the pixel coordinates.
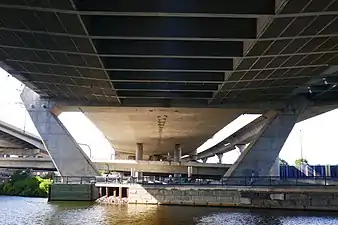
(266, 181)
(74, 180)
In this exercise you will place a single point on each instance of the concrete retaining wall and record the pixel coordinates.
(73, 192)
(281, 198)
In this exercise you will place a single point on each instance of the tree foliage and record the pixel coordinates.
(301, 161)
(283, 162)
(22, 183)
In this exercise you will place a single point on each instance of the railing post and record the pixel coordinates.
(66, 179)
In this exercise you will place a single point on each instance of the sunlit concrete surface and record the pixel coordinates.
(159, 129)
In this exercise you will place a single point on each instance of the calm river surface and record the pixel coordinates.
(28, 211)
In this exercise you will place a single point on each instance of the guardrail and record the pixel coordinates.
(229, 181)
(74, 180)
(267, 181)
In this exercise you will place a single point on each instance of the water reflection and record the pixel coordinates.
(17, 211)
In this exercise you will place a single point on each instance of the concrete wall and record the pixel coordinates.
(73, 192)
(281, 198)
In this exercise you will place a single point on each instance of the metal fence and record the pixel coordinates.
(74, 180)
(266, 181)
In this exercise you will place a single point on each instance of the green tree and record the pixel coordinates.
(22, 183)
(283, 162)
(301, 161)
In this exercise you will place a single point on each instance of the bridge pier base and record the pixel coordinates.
(139, 156)
(177, 156)
(275, 169)
(193, 156)
(219, 156)
(259, 157)
(67, 155)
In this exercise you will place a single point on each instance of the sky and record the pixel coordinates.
(316, 136)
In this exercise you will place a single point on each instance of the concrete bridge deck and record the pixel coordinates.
(123, 166)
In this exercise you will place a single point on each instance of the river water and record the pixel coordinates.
(37, 211)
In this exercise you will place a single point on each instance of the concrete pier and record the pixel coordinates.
(67, 155)
(139, 156)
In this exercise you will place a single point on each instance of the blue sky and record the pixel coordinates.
(316, 135)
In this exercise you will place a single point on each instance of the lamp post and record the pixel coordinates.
(301, 143)
(90, 150)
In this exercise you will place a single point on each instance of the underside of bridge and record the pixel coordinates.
(168, 72)
(14, 141)
(159, 129)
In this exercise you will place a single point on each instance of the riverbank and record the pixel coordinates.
(22, 183)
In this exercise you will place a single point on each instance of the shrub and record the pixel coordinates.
(22, 183)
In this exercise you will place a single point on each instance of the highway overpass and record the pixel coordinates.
(177, 75)
(158, 167)
(14, 141)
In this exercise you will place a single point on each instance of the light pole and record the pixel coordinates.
(301, 143)
(90, 150)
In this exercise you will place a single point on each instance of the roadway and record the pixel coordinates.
(123, 166)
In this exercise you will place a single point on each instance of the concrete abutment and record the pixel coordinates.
(67, 155)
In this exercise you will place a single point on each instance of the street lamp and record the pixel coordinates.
(301, 143)
(90, 150)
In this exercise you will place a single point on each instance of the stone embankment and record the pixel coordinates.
(301, 198)
(111, 200)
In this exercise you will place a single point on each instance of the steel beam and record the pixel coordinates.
(166, 38)
(206, 12)
(93, 46)
(14, 72)
(146, 55)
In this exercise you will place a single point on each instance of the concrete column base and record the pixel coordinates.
(261, 154)
(219, 156)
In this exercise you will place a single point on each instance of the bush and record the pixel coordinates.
(24, 184)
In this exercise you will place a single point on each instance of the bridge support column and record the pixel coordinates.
(177, 153)
(139, 156)
(204, 160)
(120, 193)
(177, 156)
(241, 148)
(275, 169)
(261, 154)
(219, 156)
(189, 172)
(67, 155)
(193, 156)
(327, 170)
(139, 151)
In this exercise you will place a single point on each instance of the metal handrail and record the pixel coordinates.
(74, 179)
(266, 181)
